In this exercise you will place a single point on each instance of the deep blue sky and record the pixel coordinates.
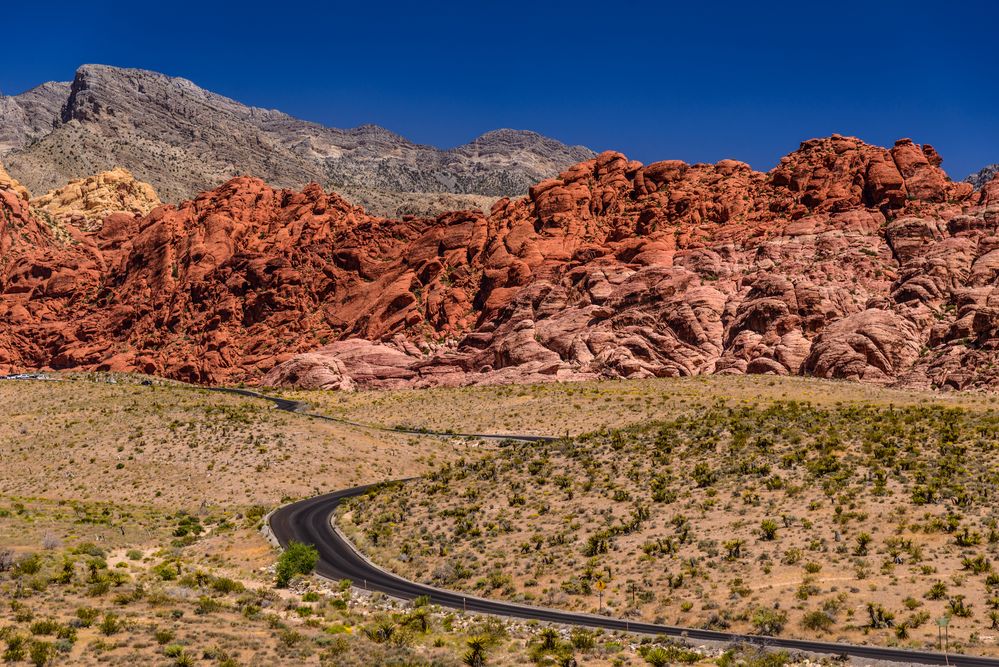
(698, 81)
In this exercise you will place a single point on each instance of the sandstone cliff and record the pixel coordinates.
(86, 202)
(8, 183)
(846, 260)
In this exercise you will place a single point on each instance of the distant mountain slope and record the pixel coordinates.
(30, 115)
(183, 139)
(978, 180)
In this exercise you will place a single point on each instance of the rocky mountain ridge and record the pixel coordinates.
(979, 179)
(183, 140)
(845, 261)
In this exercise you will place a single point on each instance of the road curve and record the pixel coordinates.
(310, 522)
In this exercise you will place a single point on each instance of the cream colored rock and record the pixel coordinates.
(8, 182)
(87, 201)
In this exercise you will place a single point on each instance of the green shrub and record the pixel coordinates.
(297, 559)
(769, 621)
(817, 621)
(87, 616)
(110, 624)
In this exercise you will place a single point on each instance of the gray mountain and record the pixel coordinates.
(183, 140)
(30, 115)
(978, 180)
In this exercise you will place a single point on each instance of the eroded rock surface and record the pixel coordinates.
(86, 202)
(845, 261)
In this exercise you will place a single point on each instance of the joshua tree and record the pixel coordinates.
(549, 639)
(476, 654)
(734, 549)
(768, 529)
(880, 617)
(863, 542)
(657, 657)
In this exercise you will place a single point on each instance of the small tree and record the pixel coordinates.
(863, 542)
(768, 529)
(733, 549)
(297, 559)
(880, 617)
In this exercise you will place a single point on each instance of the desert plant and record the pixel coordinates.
(879, 616)
(938, 591)
(657, 657)
(163, 635)
(768, 529)
(419, 618)
(380, 632)
(297, 559)
(41, 653)
(110, 624)
(549, 639)
(87, 616)
(476, 654)
(733, 549)
(817, 620)
(769, 621)
(977, 565)
(16, 648)
(958, 607)
(582, 639)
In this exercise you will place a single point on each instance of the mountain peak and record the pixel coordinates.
(183, 139)
(983, 176)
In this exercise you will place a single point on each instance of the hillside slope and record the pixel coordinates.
(183, 139)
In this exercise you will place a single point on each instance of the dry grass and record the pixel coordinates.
(143, 503)
(181, 448)
(575, 408)
(713, 516)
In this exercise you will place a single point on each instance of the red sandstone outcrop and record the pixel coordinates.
(846, 261)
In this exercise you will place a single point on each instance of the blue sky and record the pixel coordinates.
(698, 81)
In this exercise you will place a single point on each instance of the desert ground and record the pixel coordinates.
(575, 408)
(129, 534)
(851, 513)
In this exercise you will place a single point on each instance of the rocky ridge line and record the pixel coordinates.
(845, 261)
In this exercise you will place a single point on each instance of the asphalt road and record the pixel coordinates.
(309, 521)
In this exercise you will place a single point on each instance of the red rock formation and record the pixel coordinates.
(846, 260)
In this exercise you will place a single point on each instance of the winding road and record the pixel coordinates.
(311, 522)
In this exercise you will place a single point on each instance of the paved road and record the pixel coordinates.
(309, 521)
